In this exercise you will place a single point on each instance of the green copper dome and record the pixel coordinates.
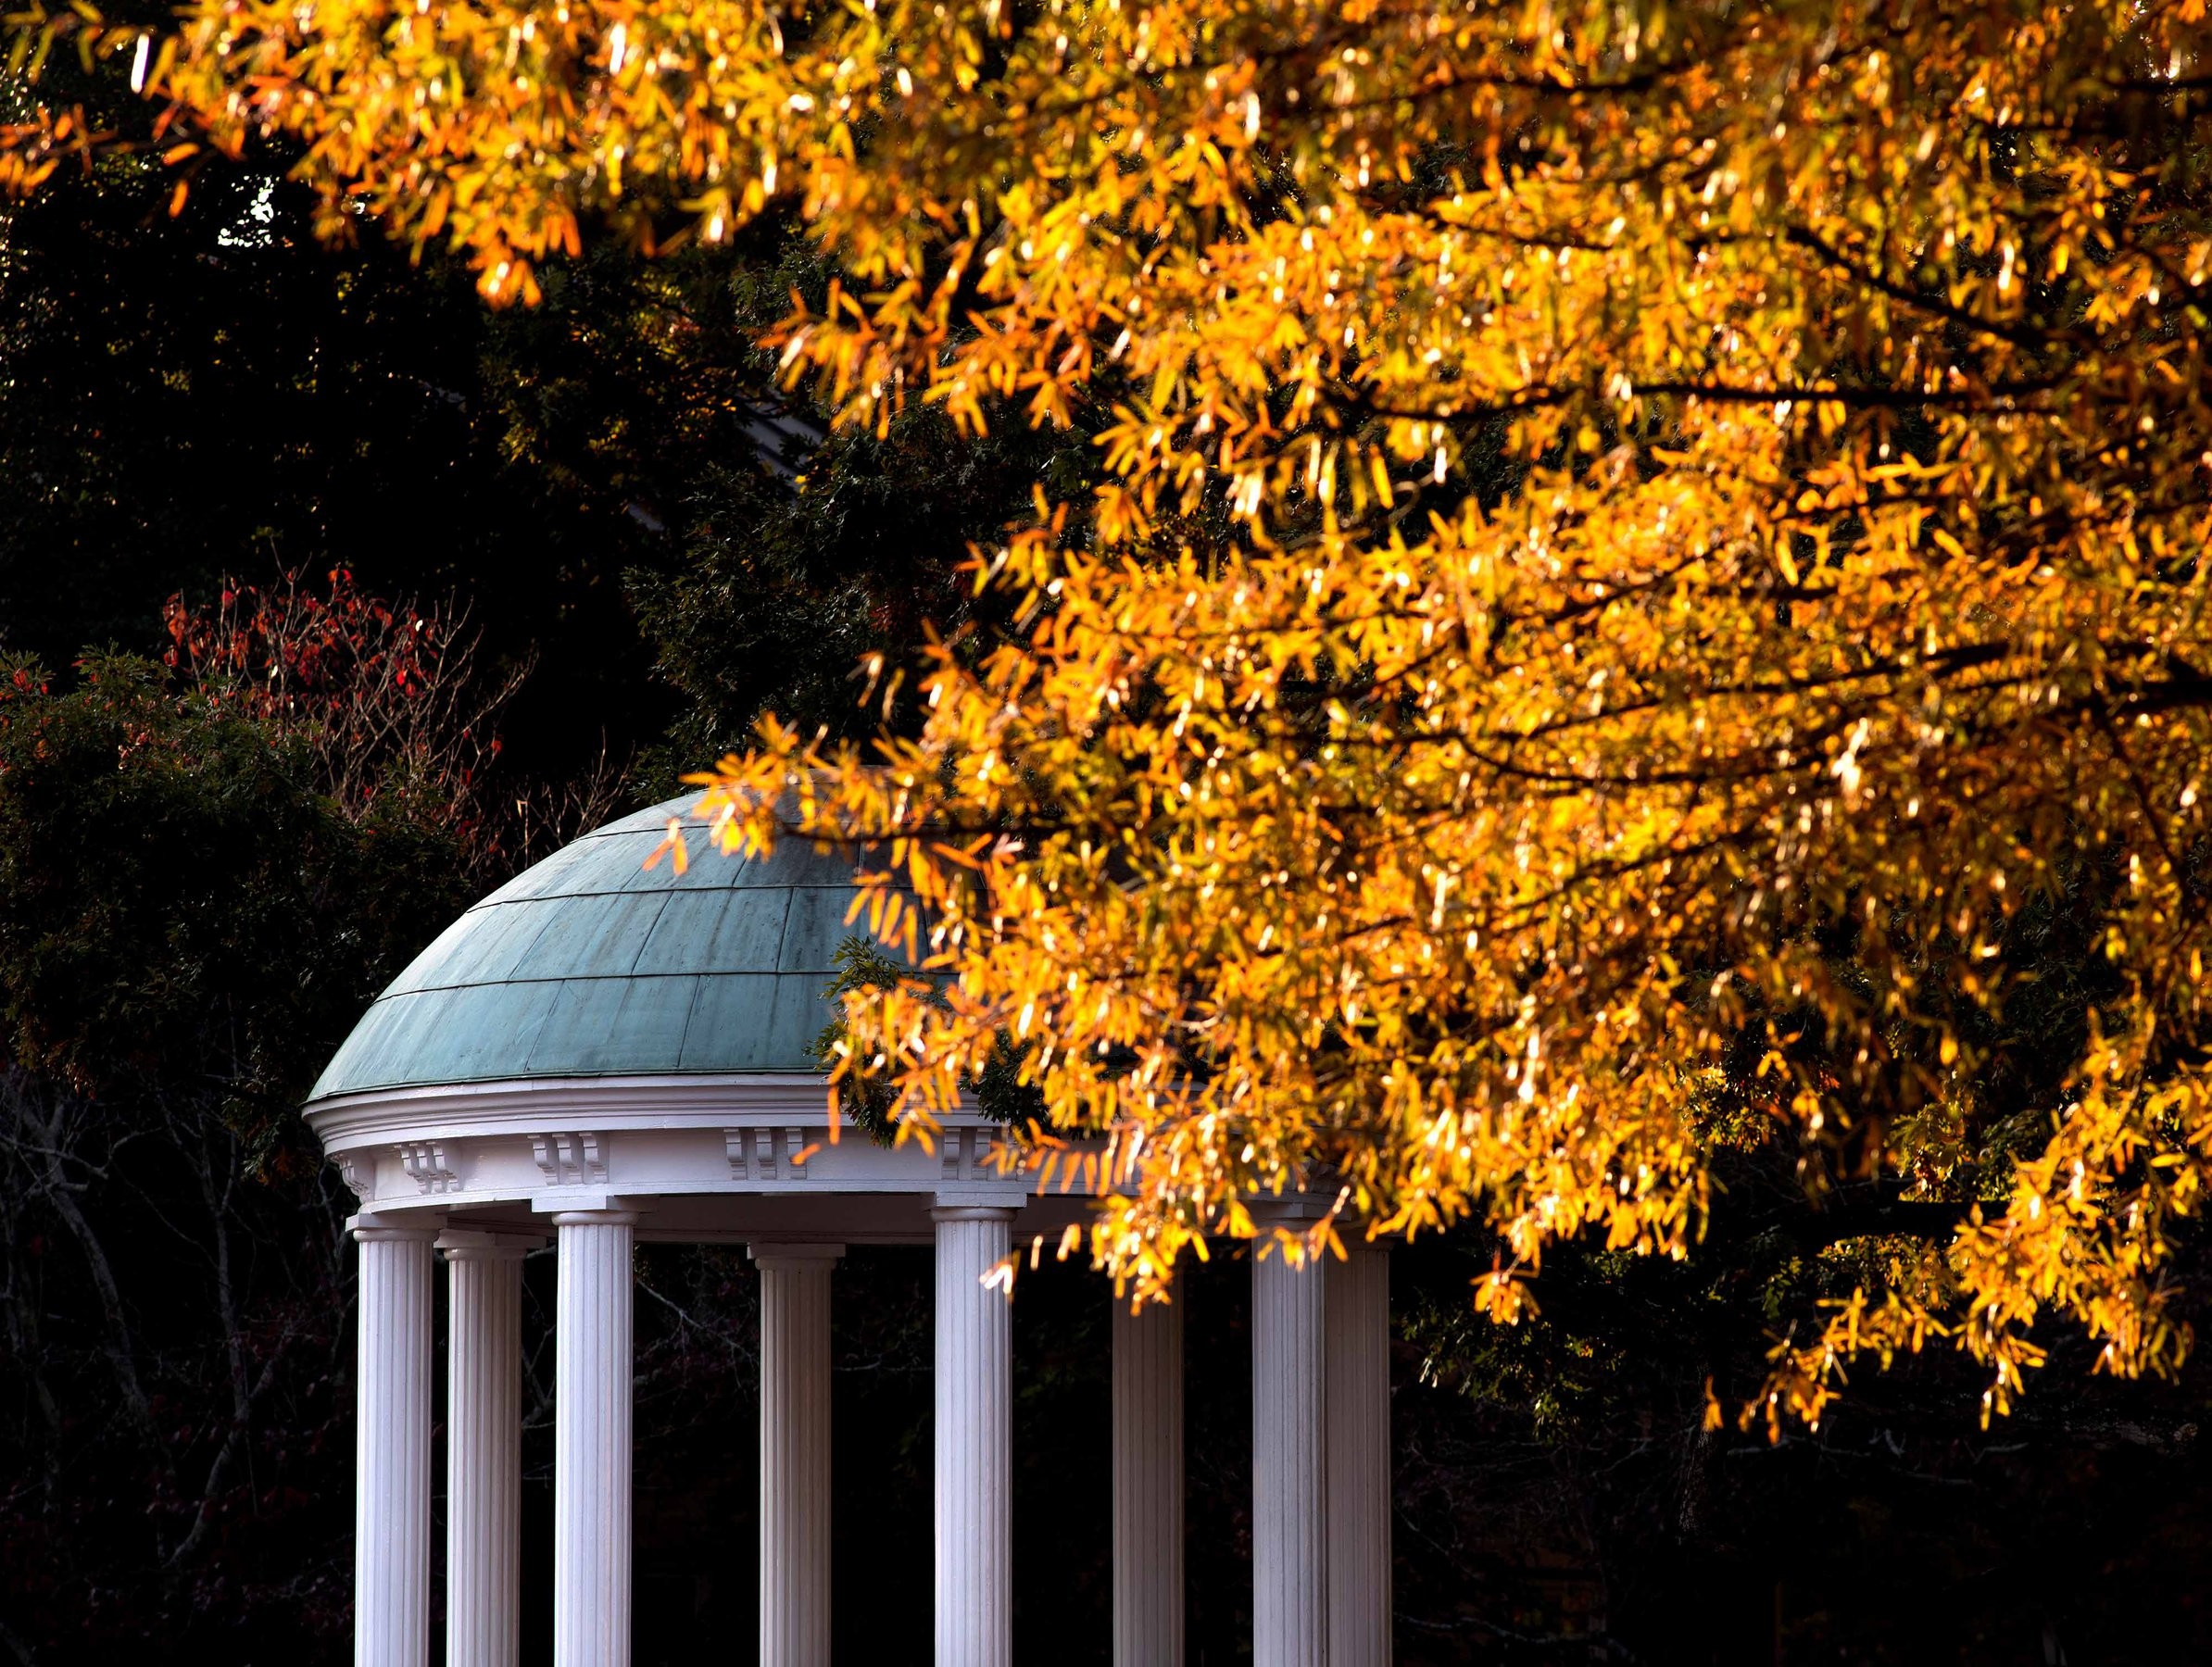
(590, 964)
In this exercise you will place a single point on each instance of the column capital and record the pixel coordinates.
(780, 1253)
(469, 1244)
(384, 1226)
(556, 1201)
(595, 1218)
(971, 1212)
(1306, 1193)
(1290, 1208)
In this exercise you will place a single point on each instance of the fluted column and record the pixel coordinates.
(794, 1453)
(1290, 1589)
(391, 1543)
(1147, 1485)
(974, 1443)
(1357, 1441)
(591, 1441)
(484, 1449)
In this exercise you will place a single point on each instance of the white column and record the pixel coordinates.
(484, 1449)
(1147, 1485)
(794, 1453)
(1290, 1586)
(391, 1523)
(1357, 1441)
(974, 1443)
(591, 1441)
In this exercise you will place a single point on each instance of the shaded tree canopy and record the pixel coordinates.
(219, 394)
(184, 920)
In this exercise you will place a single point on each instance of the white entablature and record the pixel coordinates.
(703, 1158)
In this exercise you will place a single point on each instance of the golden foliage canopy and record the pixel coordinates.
(1629, 529)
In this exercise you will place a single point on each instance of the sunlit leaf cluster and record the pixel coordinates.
(1629, 532)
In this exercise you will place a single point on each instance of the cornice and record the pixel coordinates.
(551, 1105)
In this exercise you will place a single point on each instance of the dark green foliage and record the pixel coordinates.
(600, 479)
(181, 909)
(862, 964)
(1561, 1499)
(785, 587)
(1000, 1094)
(187, 929)
(221, 394)
(806, 553)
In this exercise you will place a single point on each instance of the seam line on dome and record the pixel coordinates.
(640, 891)
(556, 978)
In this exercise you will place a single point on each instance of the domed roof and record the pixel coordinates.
(590, 964)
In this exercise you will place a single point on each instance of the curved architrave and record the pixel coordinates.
(546, 1105)
(542, 1143)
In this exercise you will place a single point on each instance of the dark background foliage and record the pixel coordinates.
(659, 548)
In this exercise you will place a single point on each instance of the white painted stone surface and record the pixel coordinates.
(1290, 1587)
(391, 1566)
(794, 1453)
(1147, 1485)
(975, 1442)
(1356, 1398)
(483, 1449)
(591, 1442)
